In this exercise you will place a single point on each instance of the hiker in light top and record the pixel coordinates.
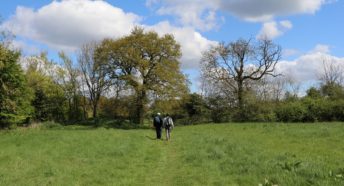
(168, 125)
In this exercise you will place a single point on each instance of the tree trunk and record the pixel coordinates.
(70, 114)
(241, 111)
(95, 104)
(140, 104)
(84, 108)
(240, 95)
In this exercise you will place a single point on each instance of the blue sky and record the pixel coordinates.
(309, 31)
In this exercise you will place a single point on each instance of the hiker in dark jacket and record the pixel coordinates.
(157, 122)
(168, 125)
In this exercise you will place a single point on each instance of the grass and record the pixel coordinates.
(225, 154)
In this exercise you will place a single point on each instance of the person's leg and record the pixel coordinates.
(169, 133)
(166, 131)
(159, 133)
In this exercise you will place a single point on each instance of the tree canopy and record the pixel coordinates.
(148, 63)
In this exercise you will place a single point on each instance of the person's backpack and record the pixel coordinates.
(156, 121)
(168, 122)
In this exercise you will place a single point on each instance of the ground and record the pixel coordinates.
(212, 154)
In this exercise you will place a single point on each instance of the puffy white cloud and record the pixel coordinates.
(286, 24)
(320, 48)
(66, 25)
(289, 52)
(69, 23)
(308, 67)
(192, 42)
(264, 10)
(201, 14)
(274, 29)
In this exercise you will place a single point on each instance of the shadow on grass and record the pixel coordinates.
(151, 138)
(106, 123)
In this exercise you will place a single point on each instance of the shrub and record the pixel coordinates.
(291, 112)
(51, 125)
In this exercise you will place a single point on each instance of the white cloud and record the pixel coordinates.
(66, 25)
(289, 52)
(265, 10)
(274, 29)
(201, 14)
(309, 66)
(286, 24)
(320, 48)
(69, 23)
(192, 42)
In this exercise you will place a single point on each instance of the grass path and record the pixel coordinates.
(236, 154)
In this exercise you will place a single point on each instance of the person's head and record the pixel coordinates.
(167, 114)
(158, 114)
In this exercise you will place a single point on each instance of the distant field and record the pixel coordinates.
(226, 154)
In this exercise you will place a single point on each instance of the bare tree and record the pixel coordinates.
(70, 76)
(332, 79)
(333, 73)
(237, 63)
(94, 74)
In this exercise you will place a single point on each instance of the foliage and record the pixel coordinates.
(291, 112)
(69, 77)
(220, 111)
(149, 64)
(49, 97)
(15, 95)
(192, 109)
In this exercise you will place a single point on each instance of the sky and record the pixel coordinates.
(309, 31)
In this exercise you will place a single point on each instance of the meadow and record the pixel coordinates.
(212, 154)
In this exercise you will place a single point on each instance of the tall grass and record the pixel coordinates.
(226, 154)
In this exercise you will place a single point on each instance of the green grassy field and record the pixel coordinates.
(226, 154)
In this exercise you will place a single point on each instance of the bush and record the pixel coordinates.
(11, 121)
(51, 125)
(338, 110)
(291, 112)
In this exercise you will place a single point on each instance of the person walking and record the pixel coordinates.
(168, 124)
(157, 122)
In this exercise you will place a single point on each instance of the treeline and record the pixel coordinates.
(129, 79)
(316, 106)
(124, 79)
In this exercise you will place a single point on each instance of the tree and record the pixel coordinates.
(70, 77)
(195, 107)
(149, 64)
(49, 96)
(15, 96)
(237, 63)
(332, 74)
(6, 36)
(94, 73)
(314, 93)
(332, 80)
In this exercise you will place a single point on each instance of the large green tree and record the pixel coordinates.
(15, 96)
(147, 62)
